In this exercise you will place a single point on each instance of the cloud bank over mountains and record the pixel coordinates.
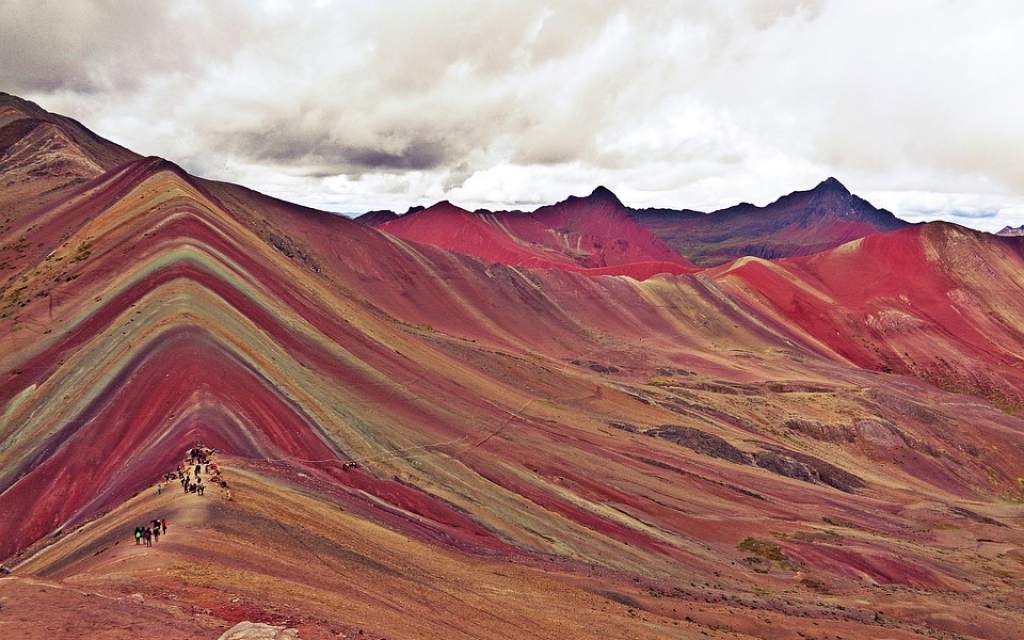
(698, 104)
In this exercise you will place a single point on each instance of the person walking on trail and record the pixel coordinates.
(159, 488)
(147, 535)
(163, 525)
(138, 535)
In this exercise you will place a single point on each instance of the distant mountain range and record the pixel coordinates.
(594, 235)
(587, 421)
(599, 232)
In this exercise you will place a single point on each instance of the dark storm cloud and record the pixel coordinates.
(312, 154)
(95, 46)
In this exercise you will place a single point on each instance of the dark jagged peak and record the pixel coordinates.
(1012, 232)
(831, 185)
(376, 217)
(383, 216)
(827, 192)
(831, 196)
(602, 193)
(800, 223)
(599, 196)
(442, 206)
(831, 199)
(438, 210)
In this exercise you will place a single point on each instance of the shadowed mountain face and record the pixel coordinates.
(800, 224)
(422, 444)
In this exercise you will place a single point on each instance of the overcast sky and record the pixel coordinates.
(917, 105)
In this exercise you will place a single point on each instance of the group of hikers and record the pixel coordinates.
(150, 533)
(198, 460)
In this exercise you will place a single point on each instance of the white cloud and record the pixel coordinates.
(693, 103)
(979, 211)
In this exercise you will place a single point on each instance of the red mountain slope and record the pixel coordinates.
(594, 235)
(419, 444)
(940, 302)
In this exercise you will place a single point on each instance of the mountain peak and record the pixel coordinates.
(831, 185)
(601, 194)
(440, 208)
